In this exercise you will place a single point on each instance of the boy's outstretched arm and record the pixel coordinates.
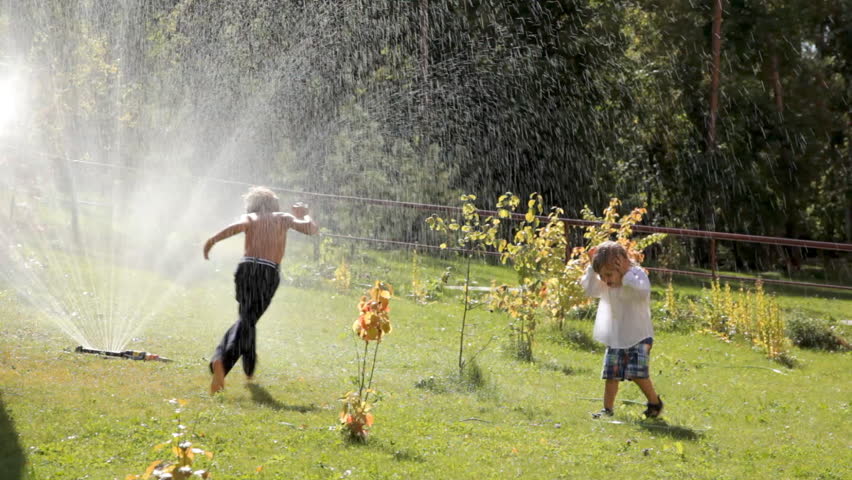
(302, 222)
(305, 225)
(226, 232)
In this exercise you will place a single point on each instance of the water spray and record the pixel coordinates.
(128, 354)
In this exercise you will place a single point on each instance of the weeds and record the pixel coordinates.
(183, 465)
(418, 288)
(752, 315)
(676, 314)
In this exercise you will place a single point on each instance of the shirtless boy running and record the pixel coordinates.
(257, 274)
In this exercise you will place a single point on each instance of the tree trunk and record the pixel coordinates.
(706, 193)
(849, 186)
(792, 255)
(424, 50)
(716, 50)
(776, 86)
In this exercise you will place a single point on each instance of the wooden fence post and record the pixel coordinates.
(713, 258)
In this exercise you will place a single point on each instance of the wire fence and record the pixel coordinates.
(712, 236)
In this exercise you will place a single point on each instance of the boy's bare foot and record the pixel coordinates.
(218, 382)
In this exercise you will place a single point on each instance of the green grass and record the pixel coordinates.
(730, 413)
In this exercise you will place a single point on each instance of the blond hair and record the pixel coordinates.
(261, 200)
(607, 253)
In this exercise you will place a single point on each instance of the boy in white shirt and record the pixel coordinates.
(623, 323)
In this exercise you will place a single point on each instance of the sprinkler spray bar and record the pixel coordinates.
(128, 354)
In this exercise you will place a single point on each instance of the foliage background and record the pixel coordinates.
(580, 100)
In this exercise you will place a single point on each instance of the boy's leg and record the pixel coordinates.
(647, 387)
(613, 371)
(247, 347)
(655, 407)
(224, 358)
(228, 351)
(638, 370)
(610, 391)
(218, 382)
(256, 299)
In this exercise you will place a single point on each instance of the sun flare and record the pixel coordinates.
(11, 96)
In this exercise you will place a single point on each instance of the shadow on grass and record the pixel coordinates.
(261, 396)
(11, 455)
(679, 432)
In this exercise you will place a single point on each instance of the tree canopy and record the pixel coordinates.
(420, 100)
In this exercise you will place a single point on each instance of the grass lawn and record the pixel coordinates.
(730, 413)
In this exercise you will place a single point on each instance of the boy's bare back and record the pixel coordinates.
(266, 234)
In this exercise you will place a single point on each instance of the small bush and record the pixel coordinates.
(584, 312)
(555, 366)
(580, 339)
(432, 384)
(473, 377)
(814, 333)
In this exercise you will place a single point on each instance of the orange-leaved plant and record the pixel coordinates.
(372, 325)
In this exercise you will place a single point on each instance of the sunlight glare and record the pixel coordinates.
(11, 96)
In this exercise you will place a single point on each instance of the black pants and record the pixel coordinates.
(256, 284)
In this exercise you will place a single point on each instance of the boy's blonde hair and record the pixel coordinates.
(261, 200)
(606, 254)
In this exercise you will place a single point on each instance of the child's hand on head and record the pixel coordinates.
(623, 265)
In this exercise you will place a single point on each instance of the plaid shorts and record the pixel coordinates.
(627, 363)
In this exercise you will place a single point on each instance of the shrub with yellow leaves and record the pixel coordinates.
(548, 268)
(342, 276)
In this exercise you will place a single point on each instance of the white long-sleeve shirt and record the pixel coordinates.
(624, 313)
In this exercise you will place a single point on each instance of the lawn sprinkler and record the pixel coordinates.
(128, 354)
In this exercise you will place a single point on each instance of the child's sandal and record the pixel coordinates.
(654, 409)
(605, 412)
